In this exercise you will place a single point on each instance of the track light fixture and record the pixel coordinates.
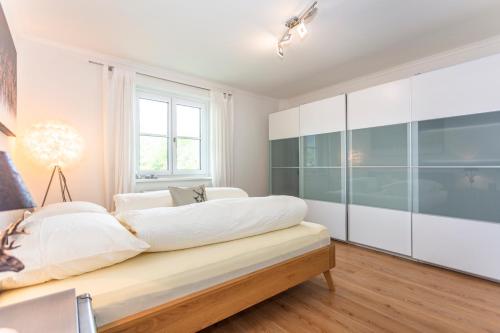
(295, 23)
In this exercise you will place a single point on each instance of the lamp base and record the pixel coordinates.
(62, 185)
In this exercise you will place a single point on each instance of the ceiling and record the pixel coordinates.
(233, 42)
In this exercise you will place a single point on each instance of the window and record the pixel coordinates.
(172, 135)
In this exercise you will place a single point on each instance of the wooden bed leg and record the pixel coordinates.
(329, 280)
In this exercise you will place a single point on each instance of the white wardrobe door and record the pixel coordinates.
(330, 214)
(378, 210)
(465, 245)
(468, 88)
(284, 124)
(381, 105)
(324, 116)
(385, 229)
(322, 127)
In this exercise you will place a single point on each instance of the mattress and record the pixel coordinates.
(152, 279)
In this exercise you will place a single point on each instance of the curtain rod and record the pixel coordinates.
(156, 77)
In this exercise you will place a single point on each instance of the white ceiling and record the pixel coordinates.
(233, 41)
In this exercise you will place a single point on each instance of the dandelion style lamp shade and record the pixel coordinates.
(55, 145)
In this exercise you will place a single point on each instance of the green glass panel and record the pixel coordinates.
(323, 184)
(285, 181)
(469, 193)
(471, 140)
(380, 187)
(323, 150)
(285, 152)
(380, 146)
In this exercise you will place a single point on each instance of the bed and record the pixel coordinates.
(188, 290)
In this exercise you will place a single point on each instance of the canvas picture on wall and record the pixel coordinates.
(8, 78)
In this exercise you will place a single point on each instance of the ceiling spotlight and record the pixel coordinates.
(296, 23)
(301, 29)
(279, 51)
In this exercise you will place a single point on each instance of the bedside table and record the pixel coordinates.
(61, 312)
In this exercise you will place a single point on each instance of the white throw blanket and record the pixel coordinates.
(215, 221)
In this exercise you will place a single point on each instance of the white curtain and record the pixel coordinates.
(118, 126)
(221, 138)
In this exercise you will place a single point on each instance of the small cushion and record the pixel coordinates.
(188, 195)
(60, 246)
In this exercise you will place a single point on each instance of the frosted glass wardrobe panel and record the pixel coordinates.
(323, 184)
(380, 146)
(285, 153)
(471, 140)
(285, 181)
(457, 171)
(322, 161)
(322, 150)
(380, 187)
(467, 193)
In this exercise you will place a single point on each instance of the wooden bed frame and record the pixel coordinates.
(201, 309)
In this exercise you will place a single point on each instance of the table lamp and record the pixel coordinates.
(13, 195)
(55, 145)
(13, 192)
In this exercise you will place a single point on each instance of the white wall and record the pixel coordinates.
(54, 84)
(452, 57)
(4, 144)
(251, 143)
(58, 83)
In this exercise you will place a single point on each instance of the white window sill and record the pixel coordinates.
(173, 179)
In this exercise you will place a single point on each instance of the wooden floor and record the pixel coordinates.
(377, 292)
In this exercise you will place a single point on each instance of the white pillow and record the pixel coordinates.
(213, 221)
(156, 199)
(6, 218)
(10, 216)
(61, 208)
(60, 246)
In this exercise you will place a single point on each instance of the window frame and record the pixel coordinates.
(172, 100)
(203, 138)
(159, 97)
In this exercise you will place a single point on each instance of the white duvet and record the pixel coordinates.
(215, 221)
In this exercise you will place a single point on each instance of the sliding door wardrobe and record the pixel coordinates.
(379, 210)
(423, 165)
(308, 159)
(456, 167)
